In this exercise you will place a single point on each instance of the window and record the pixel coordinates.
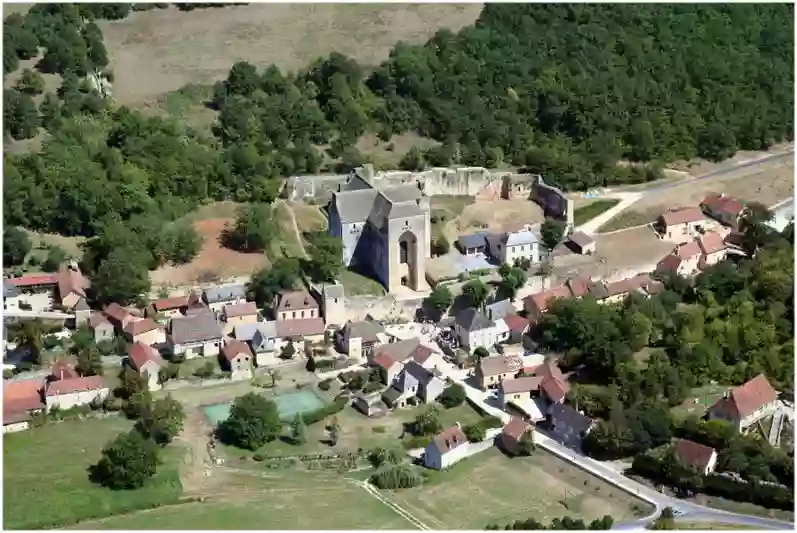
(293, 314)
(302, 314)
(403, 252)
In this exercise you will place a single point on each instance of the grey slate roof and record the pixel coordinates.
(391, 395)
(419, 373)
(471, 319)
(568, 423)
(500, 309)
(9, 289)
(359, 201)
(365, 330)
(406, 381)
(224, 294)
(475, 240)
(199, 327)
(246, 332)
(521, 237)
(333, 290)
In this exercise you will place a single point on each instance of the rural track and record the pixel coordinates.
(392, 505)
(295, 226)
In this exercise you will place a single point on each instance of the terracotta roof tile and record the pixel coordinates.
(168, 304)
(748, 398)
(515, 429)
(22, 396)
(63, 369)
(693, 454)
(516, 323)
(300, 327)
(687, 250)
(137, 327)
(450, 439)
(723, 204)
(524, 384)
(140, 353)
(542, 300)
(234, 348)
(500, 364)
(34, 279)
(682, 215)
(244, 309)
(712, 242)
(68, 386)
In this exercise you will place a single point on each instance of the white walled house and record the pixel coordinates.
(71, 392)
(446, 449)
(196, 335)
(217, 297)
(745, 405)
(146, 361)
(475, 330)
(515, 245)
(699, 457)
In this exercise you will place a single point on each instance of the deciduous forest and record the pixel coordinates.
(564, 90)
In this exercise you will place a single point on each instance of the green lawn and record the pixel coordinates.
(700, 399)
(283, 500)
(709, 526)
(46, 480)
(627, 219)
(591, 210)
(356, 431)
(490, 488)
(358, 285)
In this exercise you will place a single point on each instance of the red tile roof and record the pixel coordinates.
(63, 369)
(234, 348)
(682, 215)
(516, 323)
(383, 360)
(140, 354)
(168, 304)
(97, 319)
(712, 242)
(723, 204)
(669, 263)
(118, 313)
(687, 250)
(137, 327)
(579, 287)
(524, 384)
(244, 309)
(450, 439)
(515, 429)
(554, 389)
(300, 327)
(542, 300)
(748, 398)
(693, 454)
(68, 386)
(32, 280)
(21, 396)
(421, 353)
(71, 281)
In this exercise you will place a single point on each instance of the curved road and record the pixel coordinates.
(688, 511)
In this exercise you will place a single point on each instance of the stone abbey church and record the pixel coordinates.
(386, 231)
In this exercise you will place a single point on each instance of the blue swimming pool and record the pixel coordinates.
(288, 404)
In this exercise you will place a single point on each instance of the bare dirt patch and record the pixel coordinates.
(768, 183)
(631, 249)
(158, 51)
(495, 215)
(212, 261)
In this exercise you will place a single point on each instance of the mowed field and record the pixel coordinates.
(276, 499)
(491, 488)
(158, 51)
(45, 477)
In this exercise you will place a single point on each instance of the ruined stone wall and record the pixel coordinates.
(553, 201)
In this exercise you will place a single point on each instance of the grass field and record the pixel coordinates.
(490, 488)
(709, 526)
(356, 284)
(357, 431)
(589, 211)
(276, 500)
(700, 399)
(46, 482)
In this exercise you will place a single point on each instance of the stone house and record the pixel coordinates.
(65, 389)
(518, 326)
(581, 243)
(333, 304)
(358, 339)
(473, 244)
(237, 359)
(568, 426)
(545, 381)
(169, 307)
(196, 335)
(21, 399)
(261, 337)
(146, 331)
(120, 316)
(446, 449)
(713, 248)
(724, 209)
(217, 297)
(370, 405)
(413, 381)
(103, 330)
(146, 360)
(682, 225)
(515, 245)
(245, 313)
(491, 371)
(537, 304)
(475, 329)
(296, 305)
(392, 357)
(698, 457)
(301, 331)
(71, 289)
(745, 405)
(684, 260)
(509, 439)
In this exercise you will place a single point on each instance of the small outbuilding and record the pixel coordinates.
(581, 243)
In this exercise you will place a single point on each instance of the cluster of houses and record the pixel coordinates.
(68, 289)
(506, 247)
(703, 235)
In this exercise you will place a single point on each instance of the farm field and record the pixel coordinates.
(46, 479)
(158, 51)
(276, 500)
(592, 209)
(541, 486)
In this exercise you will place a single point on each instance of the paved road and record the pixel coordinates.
(690, 511)
(37, 314)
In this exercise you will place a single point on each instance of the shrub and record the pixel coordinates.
(491, 422)
(415, 442)
(320, 414)
(452, 396)
(400, 476)
(372, 386)
(259, 456)
(475, 432)
(324, 364)
(382, 456)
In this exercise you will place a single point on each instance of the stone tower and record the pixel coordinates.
(333, 304)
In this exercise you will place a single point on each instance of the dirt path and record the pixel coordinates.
(295, 226)
(196, 463)
(391, 504)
